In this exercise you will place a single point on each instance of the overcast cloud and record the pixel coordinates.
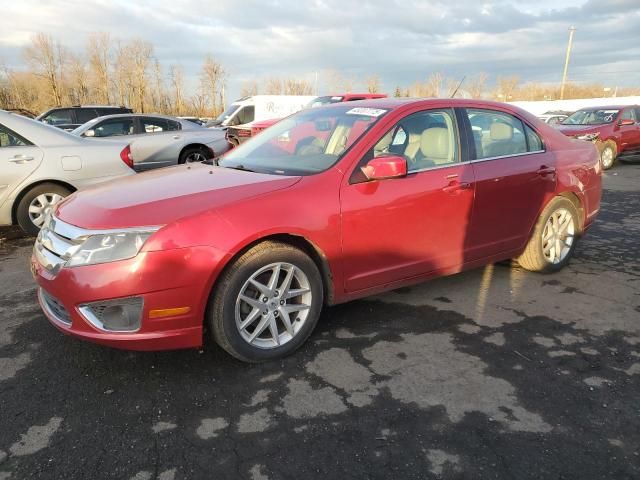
(400, 40)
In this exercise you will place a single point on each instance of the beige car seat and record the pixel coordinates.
(435, 147)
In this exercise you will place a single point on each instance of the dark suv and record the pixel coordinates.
(69, 118)
(615, 130)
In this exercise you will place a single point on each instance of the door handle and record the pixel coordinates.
(176, 137)
(455, 186)
(21, 159)
(544, 170)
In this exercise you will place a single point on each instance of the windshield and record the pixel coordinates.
(592, 117)
(224, 115)
(326, 100)
(308, 142)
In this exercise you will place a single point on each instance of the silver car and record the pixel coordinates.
(41, 164)
(158, 140)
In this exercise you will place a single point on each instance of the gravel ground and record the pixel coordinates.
(493, 373)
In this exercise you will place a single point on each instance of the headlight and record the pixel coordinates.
(109, 247)
(588, 136)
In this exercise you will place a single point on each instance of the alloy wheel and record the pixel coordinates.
(273, 305)
(607, 157)
(558, 236)
(195, 157)
(41, 206)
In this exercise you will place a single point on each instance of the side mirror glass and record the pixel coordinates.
(626, 121)
(386, 166)
(90, 133)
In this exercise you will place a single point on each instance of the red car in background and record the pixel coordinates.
(237, 135)
(387, 193)
(615, 130)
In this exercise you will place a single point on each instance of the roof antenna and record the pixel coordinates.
(458, 87)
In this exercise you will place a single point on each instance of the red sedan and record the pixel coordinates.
(328, 205)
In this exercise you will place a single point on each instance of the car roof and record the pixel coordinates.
(394, 103)
(154, 115)
(609, 107)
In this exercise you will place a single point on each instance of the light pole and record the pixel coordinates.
(566, 61)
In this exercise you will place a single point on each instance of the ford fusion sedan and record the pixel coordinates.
(158, 140)
(328, 205)
(40, 165)
(615, 131)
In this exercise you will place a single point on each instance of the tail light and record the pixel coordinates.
(126, 157)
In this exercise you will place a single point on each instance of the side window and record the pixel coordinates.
(628, 114)
(59, 117)
(174, 125)
(114, 127)
(496, 134)
(426, 139)
(637, 113)
(11, 139)
(83, 115)
(534, 143)
(155, 125)
(246, 115)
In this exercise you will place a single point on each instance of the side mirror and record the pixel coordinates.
(90, 133)
(387, 166)
(626, 121)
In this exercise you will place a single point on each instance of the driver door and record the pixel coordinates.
(401, 228)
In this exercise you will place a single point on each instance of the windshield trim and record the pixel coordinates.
(303, 173)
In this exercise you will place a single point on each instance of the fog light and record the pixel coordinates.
(120, 315)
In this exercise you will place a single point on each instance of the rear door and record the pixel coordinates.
(157, 144)
(515, 177)
(18, 159)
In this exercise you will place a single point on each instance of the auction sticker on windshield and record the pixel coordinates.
(369, 112)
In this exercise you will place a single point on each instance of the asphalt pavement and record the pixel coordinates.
(493, 373)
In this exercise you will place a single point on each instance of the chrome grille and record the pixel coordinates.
(55, 308)
(56, 243)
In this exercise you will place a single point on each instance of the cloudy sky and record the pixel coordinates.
(400, 40)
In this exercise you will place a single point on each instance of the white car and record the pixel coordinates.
(553, 118)
(41, 164)
(158, 140)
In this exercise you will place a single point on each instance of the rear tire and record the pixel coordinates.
(608, 154)
(36, 203)
(241, 303)
(554, 238)
(193, 155)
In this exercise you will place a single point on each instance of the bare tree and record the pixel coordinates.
(122, 75)
(274, 86)
(212, 82)
(79, 81)
(47, 58)
(476, 85)
(141, 54)
(159, 97)
(338, 83)
(99, 53)
(176, 80)
(373, 83)
(249, 88)
(506, 87)
(293, 86)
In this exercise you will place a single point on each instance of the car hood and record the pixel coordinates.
(570, 130)
(165, 195)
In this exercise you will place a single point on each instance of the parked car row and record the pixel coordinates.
(328, 205)
(41, 164)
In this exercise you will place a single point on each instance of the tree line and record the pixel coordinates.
(114, 72)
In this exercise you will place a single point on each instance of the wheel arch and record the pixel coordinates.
(197, 145)
(301, 243)
(577, 202)
(27, 188)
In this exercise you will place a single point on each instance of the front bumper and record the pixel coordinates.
(168, 280)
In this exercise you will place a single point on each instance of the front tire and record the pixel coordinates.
(554, 238)
(267, 303)
(36, 203)
(608, 155)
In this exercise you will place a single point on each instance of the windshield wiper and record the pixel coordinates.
(240, 167)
